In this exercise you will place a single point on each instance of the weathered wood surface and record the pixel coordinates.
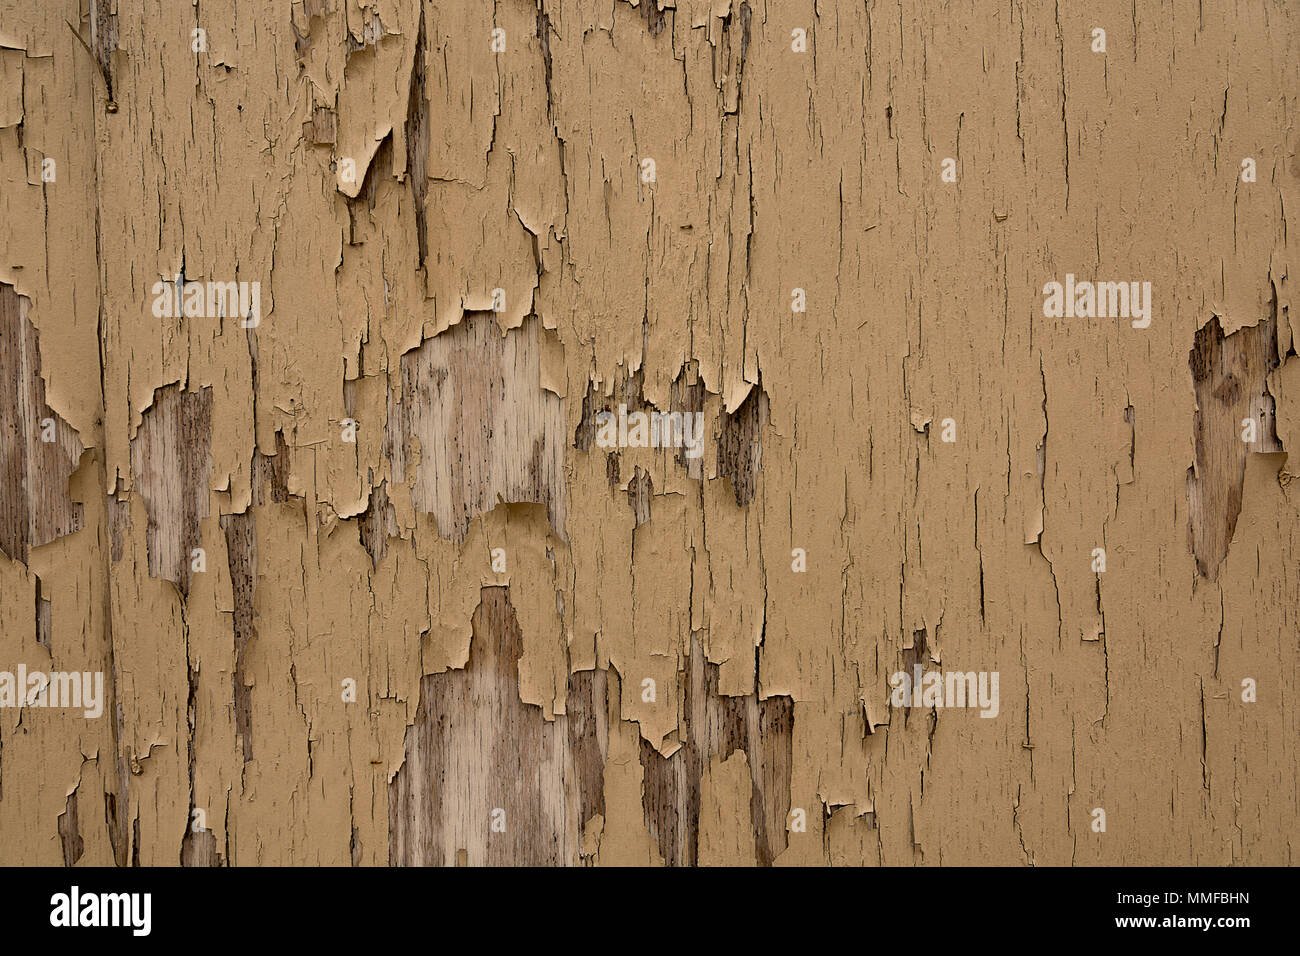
(363, 560)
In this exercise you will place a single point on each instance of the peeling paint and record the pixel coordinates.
(359, 574)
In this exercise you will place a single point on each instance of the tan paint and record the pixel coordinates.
(515, 182)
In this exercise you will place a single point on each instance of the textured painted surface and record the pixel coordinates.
(367, 587)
